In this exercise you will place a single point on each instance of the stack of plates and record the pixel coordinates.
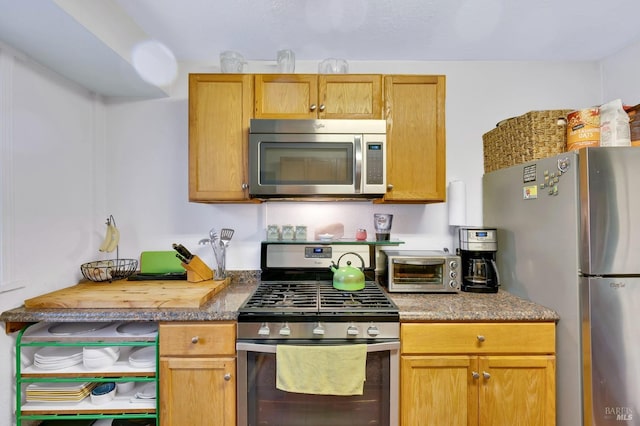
(57, 357)
(143, 358)
(148, 391)
(58, 392)
(100, 357)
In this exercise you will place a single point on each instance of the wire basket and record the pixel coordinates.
(109, 270)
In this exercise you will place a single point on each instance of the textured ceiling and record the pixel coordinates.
(94, 42)
(198, 30)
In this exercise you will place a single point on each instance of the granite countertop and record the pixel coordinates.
(501, 306)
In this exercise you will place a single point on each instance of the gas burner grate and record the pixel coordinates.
(370, 298)
(316, 296)
(284, 296)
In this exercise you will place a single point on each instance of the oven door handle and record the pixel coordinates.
(271, 349)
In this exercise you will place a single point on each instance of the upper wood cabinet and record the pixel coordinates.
(416, 155)
(220, 106)
(311, 96)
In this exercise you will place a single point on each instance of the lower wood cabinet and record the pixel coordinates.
(488, 374)
(197, 374)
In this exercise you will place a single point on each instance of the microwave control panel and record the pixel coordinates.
(375, 163)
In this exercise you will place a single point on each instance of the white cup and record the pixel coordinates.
(333, 66)
(231, 62)
(286, 61)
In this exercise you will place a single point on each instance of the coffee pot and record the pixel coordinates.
(477, 253)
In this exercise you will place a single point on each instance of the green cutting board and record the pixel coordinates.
(159, 262)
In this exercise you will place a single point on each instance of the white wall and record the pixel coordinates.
(620, 78)
(50, 179)
(68, 160)
(152, 207)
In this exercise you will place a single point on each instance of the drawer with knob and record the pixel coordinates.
(197, 339)
(478, 338)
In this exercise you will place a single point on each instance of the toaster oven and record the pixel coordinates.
(421, 271)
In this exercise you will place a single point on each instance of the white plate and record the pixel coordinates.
(137, 328)
(57, 353)
(143, 357)
(148, 391)
(325, 237)
(72, 328)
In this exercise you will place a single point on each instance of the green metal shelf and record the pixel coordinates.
(70, 374)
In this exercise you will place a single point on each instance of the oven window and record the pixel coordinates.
(300, 163)
(408, 272)
(270, 406)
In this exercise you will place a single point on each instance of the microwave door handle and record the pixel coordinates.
(357, 144)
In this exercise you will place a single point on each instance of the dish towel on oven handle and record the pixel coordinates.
(321, 370)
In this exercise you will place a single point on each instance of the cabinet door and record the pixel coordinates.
(220, 106)
(517, 390)
(197, 391)
(286, 96)
(414, 110)
(350, 96)
(438, 390)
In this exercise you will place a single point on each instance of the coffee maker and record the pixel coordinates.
(477, 253)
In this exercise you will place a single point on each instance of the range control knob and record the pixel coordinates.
(373, 331)
(453, 274)
(453, 284)
(318, 330)
(453, 264)
(263, 330)
(352, 330)
(285, 330)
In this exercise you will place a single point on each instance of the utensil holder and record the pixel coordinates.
(197, 270)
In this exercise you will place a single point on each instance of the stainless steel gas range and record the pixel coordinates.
(296, 304)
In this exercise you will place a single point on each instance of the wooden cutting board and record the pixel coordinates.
(125, 294)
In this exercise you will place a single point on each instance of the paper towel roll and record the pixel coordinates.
(457, 203)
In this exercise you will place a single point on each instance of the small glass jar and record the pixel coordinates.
(301, 233)
(361, 234)
(287, 232)
(273, 233)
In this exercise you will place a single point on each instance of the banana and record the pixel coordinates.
(108, 236)
(115, 239)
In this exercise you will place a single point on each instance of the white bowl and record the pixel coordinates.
(103, 393)
(124, 387)
(325, 237)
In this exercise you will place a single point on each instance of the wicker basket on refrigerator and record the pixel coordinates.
(531, 136)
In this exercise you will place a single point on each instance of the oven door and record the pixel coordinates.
(260, 403)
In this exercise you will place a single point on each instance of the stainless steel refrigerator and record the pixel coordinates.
(569, 239)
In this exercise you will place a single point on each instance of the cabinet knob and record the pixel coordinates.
(322, 107)
(195, 339)
(475, 374)
(245, 186)
(227, 377)
(481, 338)
(486, 375)
(389, 187)
(313, 107)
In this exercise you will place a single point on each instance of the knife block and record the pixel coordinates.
(197, 270)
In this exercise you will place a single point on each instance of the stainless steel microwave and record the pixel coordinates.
(307, 158)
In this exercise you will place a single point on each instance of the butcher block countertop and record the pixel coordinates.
(223, 306)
